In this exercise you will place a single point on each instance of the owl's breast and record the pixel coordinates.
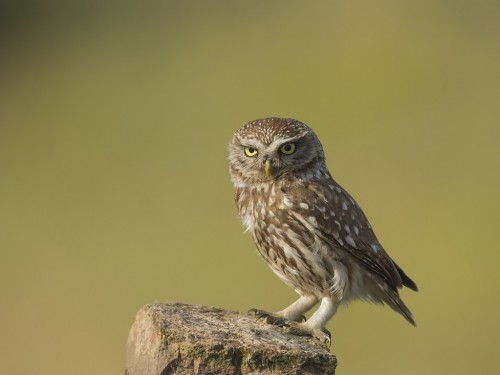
(288, 245)
(262, 207)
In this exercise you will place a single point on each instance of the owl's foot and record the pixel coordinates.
(292, 327)
(271, 318)
(302, 329)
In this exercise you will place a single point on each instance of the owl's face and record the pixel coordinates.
(266, 149)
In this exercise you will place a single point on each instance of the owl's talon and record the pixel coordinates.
(253, 312)
(324, 336)
(261, 315)
(282, 322)
(328, 333)
(257, 314)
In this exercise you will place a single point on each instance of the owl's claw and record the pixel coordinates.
(261, 315)
(281, 322)
(323, 336)
(271, 318)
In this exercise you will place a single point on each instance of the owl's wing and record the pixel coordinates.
(338, 220)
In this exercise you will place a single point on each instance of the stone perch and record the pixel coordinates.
(177, 338)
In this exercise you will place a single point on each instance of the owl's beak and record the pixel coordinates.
(267, 168)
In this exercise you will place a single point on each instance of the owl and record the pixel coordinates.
(308, 229)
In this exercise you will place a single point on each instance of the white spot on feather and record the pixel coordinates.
(248, 223)
(287, 202)
(305, 206)
(350, 241)
(312, 220)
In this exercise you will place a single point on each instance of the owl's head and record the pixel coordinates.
(270, 148)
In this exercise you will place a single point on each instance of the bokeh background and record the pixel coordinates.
(114, 190)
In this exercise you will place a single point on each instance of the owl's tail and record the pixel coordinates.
(407, 282)
(397, 304)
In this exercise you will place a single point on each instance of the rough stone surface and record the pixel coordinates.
(177, 338)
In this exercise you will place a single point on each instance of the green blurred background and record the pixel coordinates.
(114, 190)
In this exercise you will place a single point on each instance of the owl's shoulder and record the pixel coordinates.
(338, 220)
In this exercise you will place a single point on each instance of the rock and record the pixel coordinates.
(177, 338)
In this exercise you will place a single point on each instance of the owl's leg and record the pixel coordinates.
(315, 325)
(296, 310)
(293, 312)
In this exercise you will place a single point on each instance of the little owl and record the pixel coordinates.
(310, 231)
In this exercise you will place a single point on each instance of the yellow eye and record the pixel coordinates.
(288, 148)
(250, 151)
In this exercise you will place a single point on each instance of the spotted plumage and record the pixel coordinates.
(310, 231)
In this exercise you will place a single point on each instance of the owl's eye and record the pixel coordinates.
(288, 148)
(250, 151)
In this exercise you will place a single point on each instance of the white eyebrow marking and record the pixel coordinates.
(255, 143)
(279, 142)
